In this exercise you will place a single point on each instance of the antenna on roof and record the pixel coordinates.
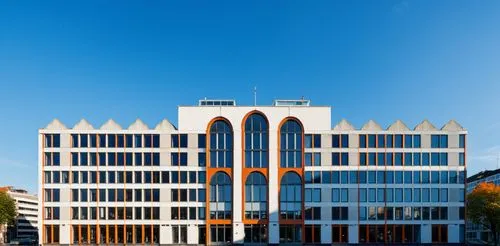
(255, 96)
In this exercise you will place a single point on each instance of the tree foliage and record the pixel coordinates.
(483, 207)
(7, 209)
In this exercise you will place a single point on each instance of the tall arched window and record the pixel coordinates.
(220, 196)
(291, 208)
(256, 141)
(291, 196)
(291, 144)
(256, 196)
(221, 144)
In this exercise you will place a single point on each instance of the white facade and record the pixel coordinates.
(182, 170)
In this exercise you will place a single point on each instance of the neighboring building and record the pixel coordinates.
(26, 222)
(252, 174)
(477, 232)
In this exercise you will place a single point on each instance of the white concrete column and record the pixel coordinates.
(326, 233)
(192, 232)
(238, 228)
(64, 234)
(353, 233)
(166, 235)
(426, 233)
(453, 233)
(274, 233)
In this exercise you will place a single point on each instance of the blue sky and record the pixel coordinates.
(382, 60)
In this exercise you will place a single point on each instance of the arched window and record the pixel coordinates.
(256, 141)
(291, 196)
(220, 196)
(221, 144)
(291, 144)
(256, 196)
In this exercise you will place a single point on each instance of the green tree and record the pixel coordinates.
(483, 207)
(7, 210)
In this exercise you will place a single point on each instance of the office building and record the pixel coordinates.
(26, 222)
(252, 174)
(477, 232)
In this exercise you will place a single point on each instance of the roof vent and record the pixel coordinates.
(292, 103)
(212, 102)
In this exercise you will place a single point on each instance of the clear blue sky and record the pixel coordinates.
(382, 60)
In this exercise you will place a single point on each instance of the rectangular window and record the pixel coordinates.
(461, 159)
(317, 140)
(461, 141)
(425, 159)
(372, 141)
(416, 141)
(120, 141)
(340, 213)
(372, 195)
(156, 141)
(398, 195)
(408, 159)
(335, 159)
(371, 159)
(381, 141)
(202, 159)
(439, 141)
(175, 141)
(84, 140)
(398, 159)
(408, 141)
(202, 141)
(362, 141)
(335, 195)
(444, 195)
(389, 141)
(317, 159)
(129, 142)
(174, 159)
(416, 177)
(443, 159)
(389, 194)
(408, 194)
(443, 143)
(407, 177)
(380, 195)
(201, 195)
(308, 140)
(326, 177)
(335, 141)
(381, 159)
(344, 159)
(344, 140)
(416, 159)
(362, 194)
(398, 141)
(183, 140)
(362, 159)
(308, 159)
(74, 141)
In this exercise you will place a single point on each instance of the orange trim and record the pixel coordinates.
(143, 231)
(107, 234)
